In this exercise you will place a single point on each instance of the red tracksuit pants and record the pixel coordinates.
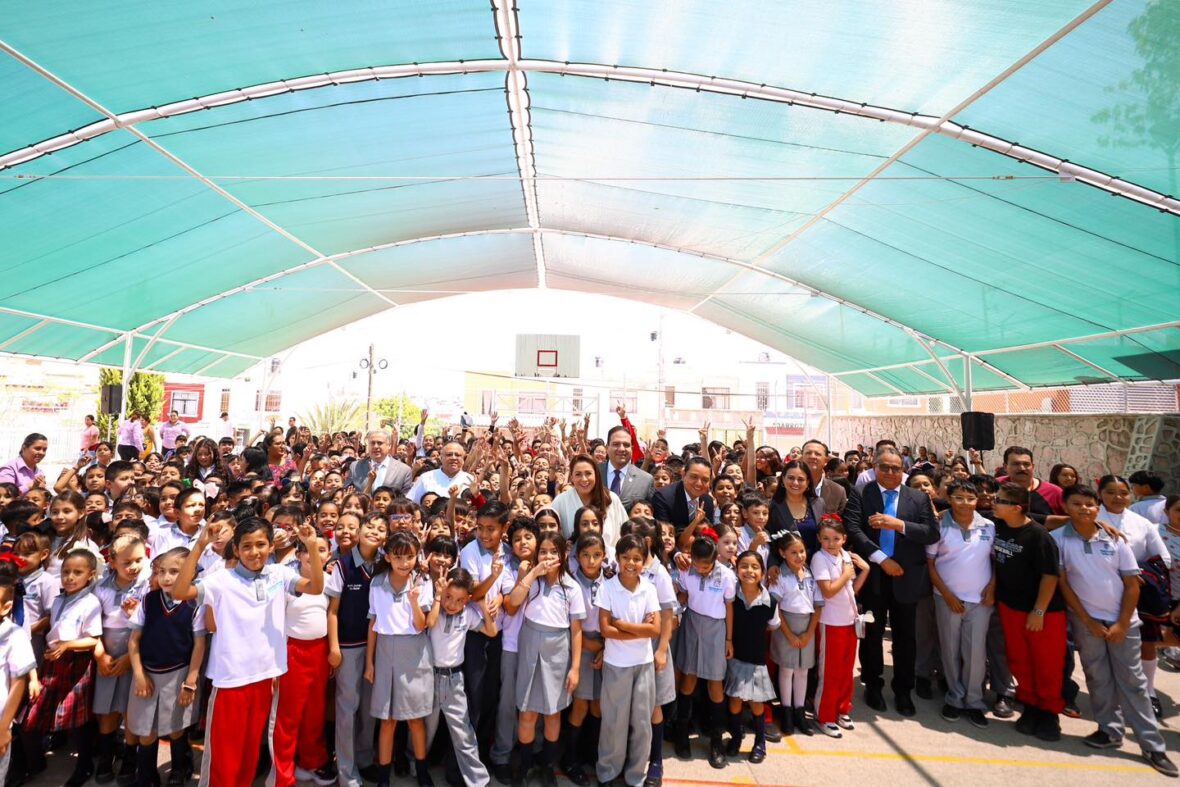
(238, 718)
(299, 723)
(835, 657)
(1036, 658)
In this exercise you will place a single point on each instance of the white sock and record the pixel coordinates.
(800, 680)
(1149, 672)
(784, 686)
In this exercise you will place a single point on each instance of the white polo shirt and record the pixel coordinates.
(656, 574)
(1142, 535)
(449, 634)
(478, 561)
(840, 609)
(438, 482)
(74, 616)
(590, 589)
(1096, 568)
(746, 534)
(963, 556)
(390, 609)
(555, 605)
(16, 654)
(795, 595)
(708, 595)
(112, 597)
(251, 611)
(307, 616)
(629, 607)
(509, 625)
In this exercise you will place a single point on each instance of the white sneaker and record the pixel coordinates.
(831, 730)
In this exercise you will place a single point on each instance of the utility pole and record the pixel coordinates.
(371, 365)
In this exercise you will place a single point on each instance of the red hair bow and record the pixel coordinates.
(14, 559)
(832, 517)
(709, 532)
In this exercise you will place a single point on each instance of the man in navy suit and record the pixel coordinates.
(890, 525)
(678, 503)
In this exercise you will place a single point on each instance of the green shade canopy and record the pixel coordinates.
(918, 196)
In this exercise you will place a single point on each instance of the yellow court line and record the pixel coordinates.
(793, 748)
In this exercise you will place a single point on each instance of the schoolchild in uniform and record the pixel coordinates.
(484, 557)
(1100, 584)
(548, 665)
(587, 521)
(589, 574)
(707, 589)
(39, 588)
(753, 534)
(792, 646)
(397, 658)
(17, 662)
(67, 680)
(629, 618)
(523, 535)
(119, 592)
(836, 573)
(249, 604)
(727, 545)
(347, 589)
(166, 649)
(655, 572)
(300, 750)
(747, 680)
(67, 517)
(189, 507)
(451, 616)
(964, 597)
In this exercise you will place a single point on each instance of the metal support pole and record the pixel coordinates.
(369, 395)
(127, 379)
(829, 403)
(967, 388)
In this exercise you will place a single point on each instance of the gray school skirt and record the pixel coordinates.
(700, 650)
(110, 693)
(542, 663)
(748, 682)
(781, 651)
(403, 677)
(162, 714)
(665, 678)
(589, 679)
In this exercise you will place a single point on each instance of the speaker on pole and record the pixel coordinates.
(979, 430)
(111, 399)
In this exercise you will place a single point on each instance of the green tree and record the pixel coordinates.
(334, 415)
(145, 395)
(392, 410)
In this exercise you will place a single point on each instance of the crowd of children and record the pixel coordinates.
(292, 620)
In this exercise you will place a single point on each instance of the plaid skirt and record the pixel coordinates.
(67, 691)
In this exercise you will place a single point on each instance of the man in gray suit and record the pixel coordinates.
(815, 456)
(619, 475)
(380, 468)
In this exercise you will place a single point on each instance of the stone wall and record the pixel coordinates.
(1095, 444)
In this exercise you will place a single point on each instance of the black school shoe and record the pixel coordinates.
(923, 688)
(1159, 760)
(717, 753)
(1101, 739)
(1048, 727)
(1027, 723)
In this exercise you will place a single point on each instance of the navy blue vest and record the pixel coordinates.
(166, 643)
(352, 627)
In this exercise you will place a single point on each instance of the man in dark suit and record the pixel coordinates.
(619, 475)
(890, 526)
(815, 455)
(380, 468)
(678, 503)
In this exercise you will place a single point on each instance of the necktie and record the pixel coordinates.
(616, 483)
(692, 507)
(886, 537)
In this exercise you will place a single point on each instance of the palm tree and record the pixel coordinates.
(334, 415)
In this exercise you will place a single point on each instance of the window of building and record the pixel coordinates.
(715, 398)
(487, 402)
(577, 401)
(627, 399)
(669, 396)
(274, 401)
(761, 396)
(533, 402)
(224, 401)
(186, 403)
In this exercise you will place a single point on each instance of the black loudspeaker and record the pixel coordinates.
(111, 399)
(979, 430)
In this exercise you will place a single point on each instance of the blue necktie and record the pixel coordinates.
(886, 536)
(616, 484)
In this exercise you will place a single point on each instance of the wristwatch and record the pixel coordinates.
(1040, 613)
